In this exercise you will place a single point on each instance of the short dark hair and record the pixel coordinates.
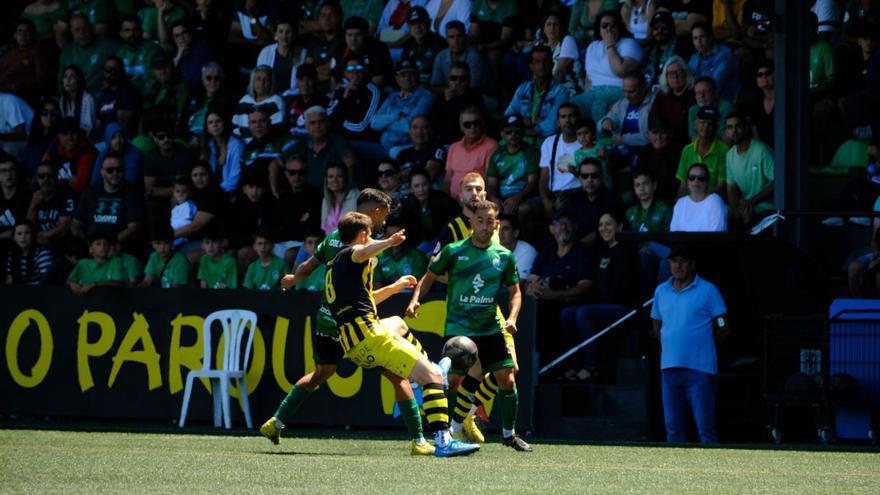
(455, 25)
(112, 155)
(359, 23)
(587, 122)
(181, 22)
(351, 224)
(262, 232)
(705, 26)
(590, 160)
(389, 161)
(513, 219)
(569, 105)
(736, 114)
(129, 18)
(483, 204)
(616, 214)
(374, 196)
(306, 70)
(542, 49)
(621, 25)
(643, 172)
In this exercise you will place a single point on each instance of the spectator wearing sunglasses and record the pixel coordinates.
(118, 100)
(701, 210)
(166, 162)
(395, 114)
(352, 109)
(301, 204)
(112, 207)
(116, 140)
(456, 96)
(51, 208)
(458, 51)
(591, 200)
(512, 175)
(471, 153)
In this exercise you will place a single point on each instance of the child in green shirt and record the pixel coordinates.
(165, 268)
(315, 281)
(217, 270)
(100, 269)
(131, 266)
(586, 136)
(265, 273)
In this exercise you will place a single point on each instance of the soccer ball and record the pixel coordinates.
(462, 351)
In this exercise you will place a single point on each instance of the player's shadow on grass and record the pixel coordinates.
(290, 453)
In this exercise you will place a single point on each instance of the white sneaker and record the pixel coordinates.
(444, 365)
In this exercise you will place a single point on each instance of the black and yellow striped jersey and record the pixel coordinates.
(349, 287)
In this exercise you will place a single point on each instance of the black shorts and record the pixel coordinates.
(327, 350)
(493, 352)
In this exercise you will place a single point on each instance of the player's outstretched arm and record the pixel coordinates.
(363, 252)
(423, 287)
(403, 283)
(514, 307)
(302, 271)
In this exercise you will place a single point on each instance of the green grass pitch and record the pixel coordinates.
(310, 462)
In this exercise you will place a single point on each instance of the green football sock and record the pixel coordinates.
(291, 403)
(509, 404)
(409, 410)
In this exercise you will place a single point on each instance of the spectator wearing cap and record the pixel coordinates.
(707, 149)
(701, 210)
(423, 154)
(627, 120)
(458, 50)
(663, 44)
(166, 95)
(397, 111)
(592, 200)
(471, 153)
(111, 207)
(119, 100)
(456, 96)
(660, 159)
(675, 98)
(306, 96)
(373, 54)
(324, 48)
(16, 118)
(87, 51)
(712, 59)
(135, 52)
(423, 44)
(166, 162)
(259, 96)
(689, 316)
(352, 108)
(72, 155)
(538, 100)
(283, 56)
(445, 12)
(512, 175)
(706, 95)
(749, 172)
(523, 252)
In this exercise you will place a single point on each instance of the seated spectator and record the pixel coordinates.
(112, 206)
(166, 94)
(675, 98)
(14, 200)
(613, 293)
(701, 210)
(131, 266)
(392, 28)
(99, 269)
(16, 118)
(586, 136)
(266, 271)
(650, 214)
(135, 52)
(583, 17)
(72, 156)
(158, 18)
(300, 206)
(118, 100)
(523, 252)
(324, 48)
(212, 206)
(315, 281)
(283, 56)
(46, 16)
(863, 273)
(266, 142)
(637, 14)
(394, 116)
(760, 113)
(567, 68)
(321, 147)
(706, 95)
(190, 54)
(369, 51)
(223, 151)
(340, 196)
(512, 174)
(557, 158)
(591, 201)
(51, 208)
(88, 51)
(26, 263)
(854, 152)
(458, 51)
(662, 46)
(217, 269)
(116, 141)
(259, 96)
(712, 59)
(183, 209)
(471, 153)
(434, 208)
(628, 118)
(423, 44)
(444, 13)
(749, 172)
(165, 267)
(254, 209)
(166, 162)
(424, 154)
(540, 118)
(390, 183)
(400, 260)
(354, 105)
(76, 102)
(707, 149)
(214, 95)
(613, 55)
(307, 97)
(661, 159)
(44, 131)
(456, 97)
(823, 67)
(73, 250)
(24, 64)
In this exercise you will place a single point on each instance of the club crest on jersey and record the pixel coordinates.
(496, 263)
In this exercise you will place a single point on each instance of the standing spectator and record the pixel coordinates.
(283, 56)
(749, 172)
(259, 96)
(352, 109)
(300, 206)
(307, 97)
(340, 196)
(628, 118)
(424, 154)
(321, 147)
(583, 17)
(706, 94)
(700, 210)
(135, 52)
(512, 174)
(607, 60)
(87, 51)
(705, 149)
(16, 118)
(158, 18)
(392, 28)
(538, 100)
(663, 44)
(113, 207)
(591, 201)
(760, 113)
(51, 209)
(372, 53)
(118, 100)
(222, 150)
(423, 45)
(459, 51)
(675, 98)
(457, 96)
(445, 12)
(72, 156)
(166, 162)
(24, 66)
(44, 131)
(712, 59)
(116, 141)
(76, 102)
(26, 263)
(689, 315)
(523, 252)
(394, 116)
(557, 158)
(471, 154)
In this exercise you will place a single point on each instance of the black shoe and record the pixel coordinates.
(516, 443)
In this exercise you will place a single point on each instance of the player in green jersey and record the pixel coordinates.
(477, 269)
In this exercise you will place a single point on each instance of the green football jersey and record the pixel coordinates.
(476, 276)
(259, 277)
(176, 273)
(314, 282)
(88, 271)
(325, 252)
(214, 272)
(411, 262)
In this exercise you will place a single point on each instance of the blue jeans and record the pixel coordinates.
(580, 322)
(685, 388)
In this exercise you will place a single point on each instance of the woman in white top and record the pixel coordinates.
(443, 12)
(259, 96)
(608, 59)
(566, 59)
(75, 101)
(340, 196)
(638, 14)
(699, 211)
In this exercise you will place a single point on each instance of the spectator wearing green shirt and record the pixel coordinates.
(266, 271)
(135, 52)
(649, 215)
(158, 19)
(706, 149)
(512, 173)
(131, 266)
(749, 172)
(585, 130)
(99, 12)
(101, 269)
(400, 260)
(165, 268)
(165, 163)
(166, 95)
(315, 281)
(87, 51)
(822, 66)
(217, 269)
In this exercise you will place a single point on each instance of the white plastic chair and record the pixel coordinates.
(235, 323)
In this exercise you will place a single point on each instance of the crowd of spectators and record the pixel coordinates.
(204, 143)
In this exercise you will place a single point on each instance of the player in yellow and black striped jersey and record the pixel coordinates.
(372, 342)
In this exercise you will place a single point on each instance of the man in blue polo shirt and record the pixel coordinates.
(689, 314)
